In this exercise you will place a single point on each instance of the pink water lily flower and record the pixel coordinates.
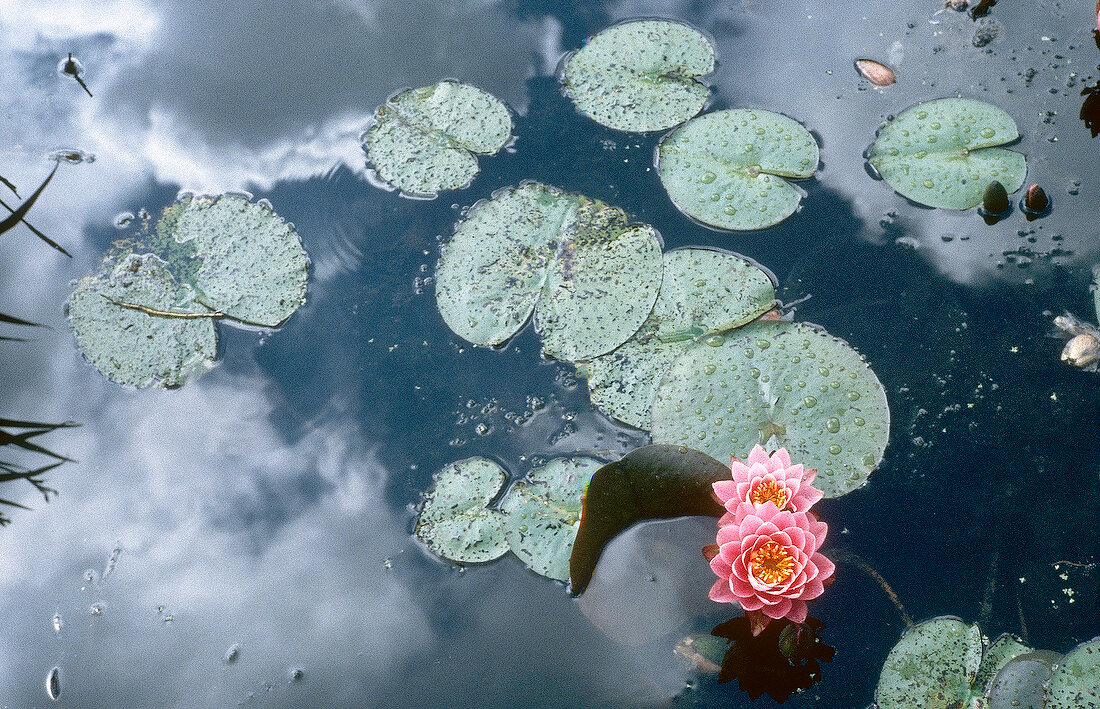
(767, 478)
(769, 563)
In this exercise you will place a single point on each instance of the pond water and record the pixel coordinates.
(247, 539)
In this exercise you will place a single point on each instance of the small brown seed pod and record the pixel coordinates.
(878, 74)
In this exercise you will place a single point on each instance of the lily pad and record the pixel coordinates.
(542, 513)
(424, 140)
(943, 153)
(933, 666)
(703, 291)
(590, 277)
(641, 75)
(1076, 681)
(727, 168)
(999, 653)
(455, 523)
(131, 346)
(1022, 682)
(792, 381)
(252, 266)
(651, 482)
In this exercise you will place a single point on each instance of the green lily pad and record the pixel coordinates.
(726, 168)
(590, 277)
(703, 291)
(943, 153)
(1022, 682)
(541, 514)
(933, 666)
(133, 347)
(651, 482)
(423, 140)
(641, 75)
(455, 523)
(1075, 683)
(999, 653)
(793, 381)
(252, 266)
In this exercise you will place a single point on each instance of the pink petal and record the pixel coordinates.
(751, 603)
(783, 456)
(825, 566)
(724, 489)
(721, 567)
(758, 455)
(797, 613)
(728, 535)
(726, 520)
(812, 590)
(721, 593)
(779, 610)
(742, 589)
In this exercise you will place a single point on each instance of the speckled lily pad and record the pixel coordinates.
(999, 653)
(933, 666)
(252, 266)
(727, 168)
(640, 75)
(455, 523)
(703, 291)
(943, 153)
(423, 140)
(1022, 682)
(133, 347)
(590, 277)
(793, 381)
(543, 511)
(1075, 683)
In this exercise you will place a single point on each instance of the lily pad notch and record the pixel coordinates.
(946, 152)
(424, 141)
(640, 75)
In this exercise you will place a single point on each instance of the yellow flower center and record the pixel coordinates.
(770, 491)
(771, 563)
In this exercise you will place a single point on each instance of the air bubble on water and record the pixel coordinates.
(295, 674)
(232, 653)
(96, 608)
(124, 220)
(58, 624)
(112, 561)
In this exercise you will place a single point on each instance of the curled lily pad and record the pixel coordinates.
(1022, 682)
(1075, 683)
(640, 75)
(933, 666)
(542, 513)
(999, 653)
(590, 277)
(424, 140)
(703, 291)
(252, 266)
(115, 329)
(727, 168)
(793, 381)
(455, 523)
(943, 153)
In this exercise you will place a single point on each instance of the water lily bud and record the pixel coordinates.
(1035, 199)
(995, 199)
(1082, 351)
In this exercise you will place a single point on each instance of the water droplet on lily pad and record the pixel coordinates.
(130, 346)
(542, 512)
(945, 177)
(455, 523)
(640, 75)
(423, 140)
(749, 166)
(589, 276)
(734, 292)
(765, 407)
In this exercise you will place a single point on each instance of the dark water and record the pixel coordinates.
(271, 503)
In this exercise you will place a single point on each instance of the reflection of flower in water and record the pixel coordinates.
(784, 659)
(1090, 108)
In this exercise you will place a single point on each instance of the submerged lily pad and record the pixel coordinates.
(999, 653)
(726, 168)
(703, 291)
(590, 277)
(933, 667)
(1022, 682)
(943, 153)
(640, 75)
(793, 381)
(253, 267)
(131, 346)
(1075, 683)
(423, 140)
(542, 513)
(455, 523)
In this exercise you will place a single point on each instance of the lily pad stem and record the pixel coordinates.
(164, 313)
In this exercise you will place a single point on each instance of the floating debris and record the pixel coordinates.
(878, 74)
(232, 653)
(73, 156)
(295, 674)
(1083, 349)
(640, 75)
(124, 220)
(73, 68)
(57, 623)
(53, 684)
(982, 8)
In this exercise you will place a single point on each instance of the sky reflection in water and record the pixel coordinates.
(260, 504)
